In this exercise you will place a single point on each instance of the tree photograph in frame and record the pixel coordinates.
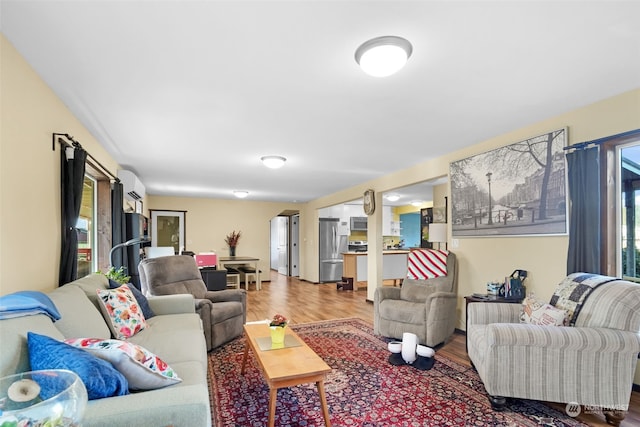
(516, 190)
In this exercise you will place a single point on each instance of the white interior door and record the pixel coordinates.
(273, 244)
(294, 246)
(283, 245)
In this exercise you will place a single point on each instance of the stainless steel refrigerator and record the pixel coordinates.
(332, 245)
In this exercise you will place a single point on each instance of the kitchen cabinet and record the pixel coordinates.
(395, 228)
(335, 211)
(389, 226)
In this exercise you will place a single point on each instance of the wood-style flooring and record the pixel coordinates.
(304, 302)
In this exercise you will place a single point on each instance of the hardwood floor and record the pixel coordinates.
(304, 302)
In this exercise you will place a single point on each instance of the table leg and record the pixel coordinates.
(273, 395)
(258, 280)
(244, 356)
(323, 403)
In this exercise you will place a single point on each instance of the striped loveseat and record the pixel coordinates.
(590, 363)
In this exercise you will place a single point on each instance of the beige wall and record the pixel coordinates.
(208, 221)
(30, 174)
(484, 259)
(30, 210)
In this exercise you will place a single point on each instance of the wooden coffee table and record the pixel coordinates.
(286, 367)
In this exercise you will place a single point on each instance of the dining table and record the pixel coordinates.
(242, 260)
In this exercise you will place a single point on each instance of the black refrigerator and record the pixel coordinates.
(135, 227)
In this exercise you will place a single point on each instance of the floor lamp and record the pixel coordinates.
(438, 233)
(131, 242)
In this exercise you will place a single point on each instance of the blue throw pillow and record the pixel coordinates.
(147, 312)
(100, 377)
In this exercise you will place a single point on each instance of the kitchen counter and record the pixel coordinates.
(384, 252)
(394, 266)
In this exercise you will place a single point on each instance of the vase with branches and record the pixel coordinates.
(232, 240)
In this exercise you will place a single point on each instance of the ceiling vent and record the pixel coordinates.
(133, 187)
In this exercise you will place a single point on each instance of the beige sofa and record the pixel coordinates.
(174, 334)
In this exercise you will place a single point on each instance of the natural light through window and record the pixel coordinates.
(630, 210)
(86, 229)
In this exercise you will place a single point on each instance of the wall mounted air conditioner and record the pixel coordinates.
(133, 187)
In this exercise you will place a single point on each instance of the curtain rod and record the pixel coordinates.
(582, 145)
(76, 144)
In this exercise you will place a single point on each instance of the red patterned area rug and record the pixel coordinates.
(363, 389)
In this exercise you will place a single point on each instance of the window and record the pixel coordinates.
(628, 233)
(95, 218)
(620, 205)
(87, 235)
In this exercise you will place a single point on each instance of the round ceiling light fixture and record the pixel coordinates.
(273, 162)
(392, 197)
(240, 194)
(416, 203)
(383, 56)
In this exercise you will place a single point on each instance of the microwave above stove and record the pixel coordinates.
(358, 223)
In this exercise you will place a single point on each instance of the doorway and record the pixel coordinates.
(284, 244)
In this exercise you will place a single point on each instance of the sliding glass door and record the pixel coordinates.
(629, 214)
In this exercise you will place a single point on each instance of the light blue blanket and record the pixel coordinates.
(27, 303)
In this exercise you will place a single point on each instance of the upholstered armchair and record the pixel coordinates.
(591, 361)
(223, 313)
(426, 307)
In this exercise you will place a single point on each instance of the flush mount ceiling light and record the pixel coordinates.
(417, 203)
(392, 197)
(240, 194)
(273, 162)
(383, 56)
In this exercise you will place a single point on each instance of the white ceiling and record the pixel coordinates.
(190, 94)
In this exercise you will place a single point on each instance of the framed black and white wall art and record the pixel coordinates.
(516, 190)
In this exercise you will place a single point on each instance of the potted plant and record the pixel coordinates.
(118, 275)
(232, 240)
(277, 326)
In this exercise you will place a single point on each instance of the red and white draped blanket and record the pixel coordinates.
(427, 264)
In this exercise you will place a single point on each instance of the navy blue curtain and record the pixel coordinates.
(584, 211)
(118, 232)
(72, 167)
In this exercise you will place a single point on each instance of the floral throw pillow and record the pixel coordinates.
(121, 311)
(142, 369)
(536, 312)
(143, 302)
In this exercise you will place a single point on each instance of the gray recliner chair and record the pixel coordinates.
(426, 308)
(223, 313)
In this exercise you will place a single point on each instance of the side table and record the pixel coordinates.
(483, 298)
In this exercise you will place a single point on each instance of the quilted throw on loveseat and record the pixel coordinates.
(573, 291)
